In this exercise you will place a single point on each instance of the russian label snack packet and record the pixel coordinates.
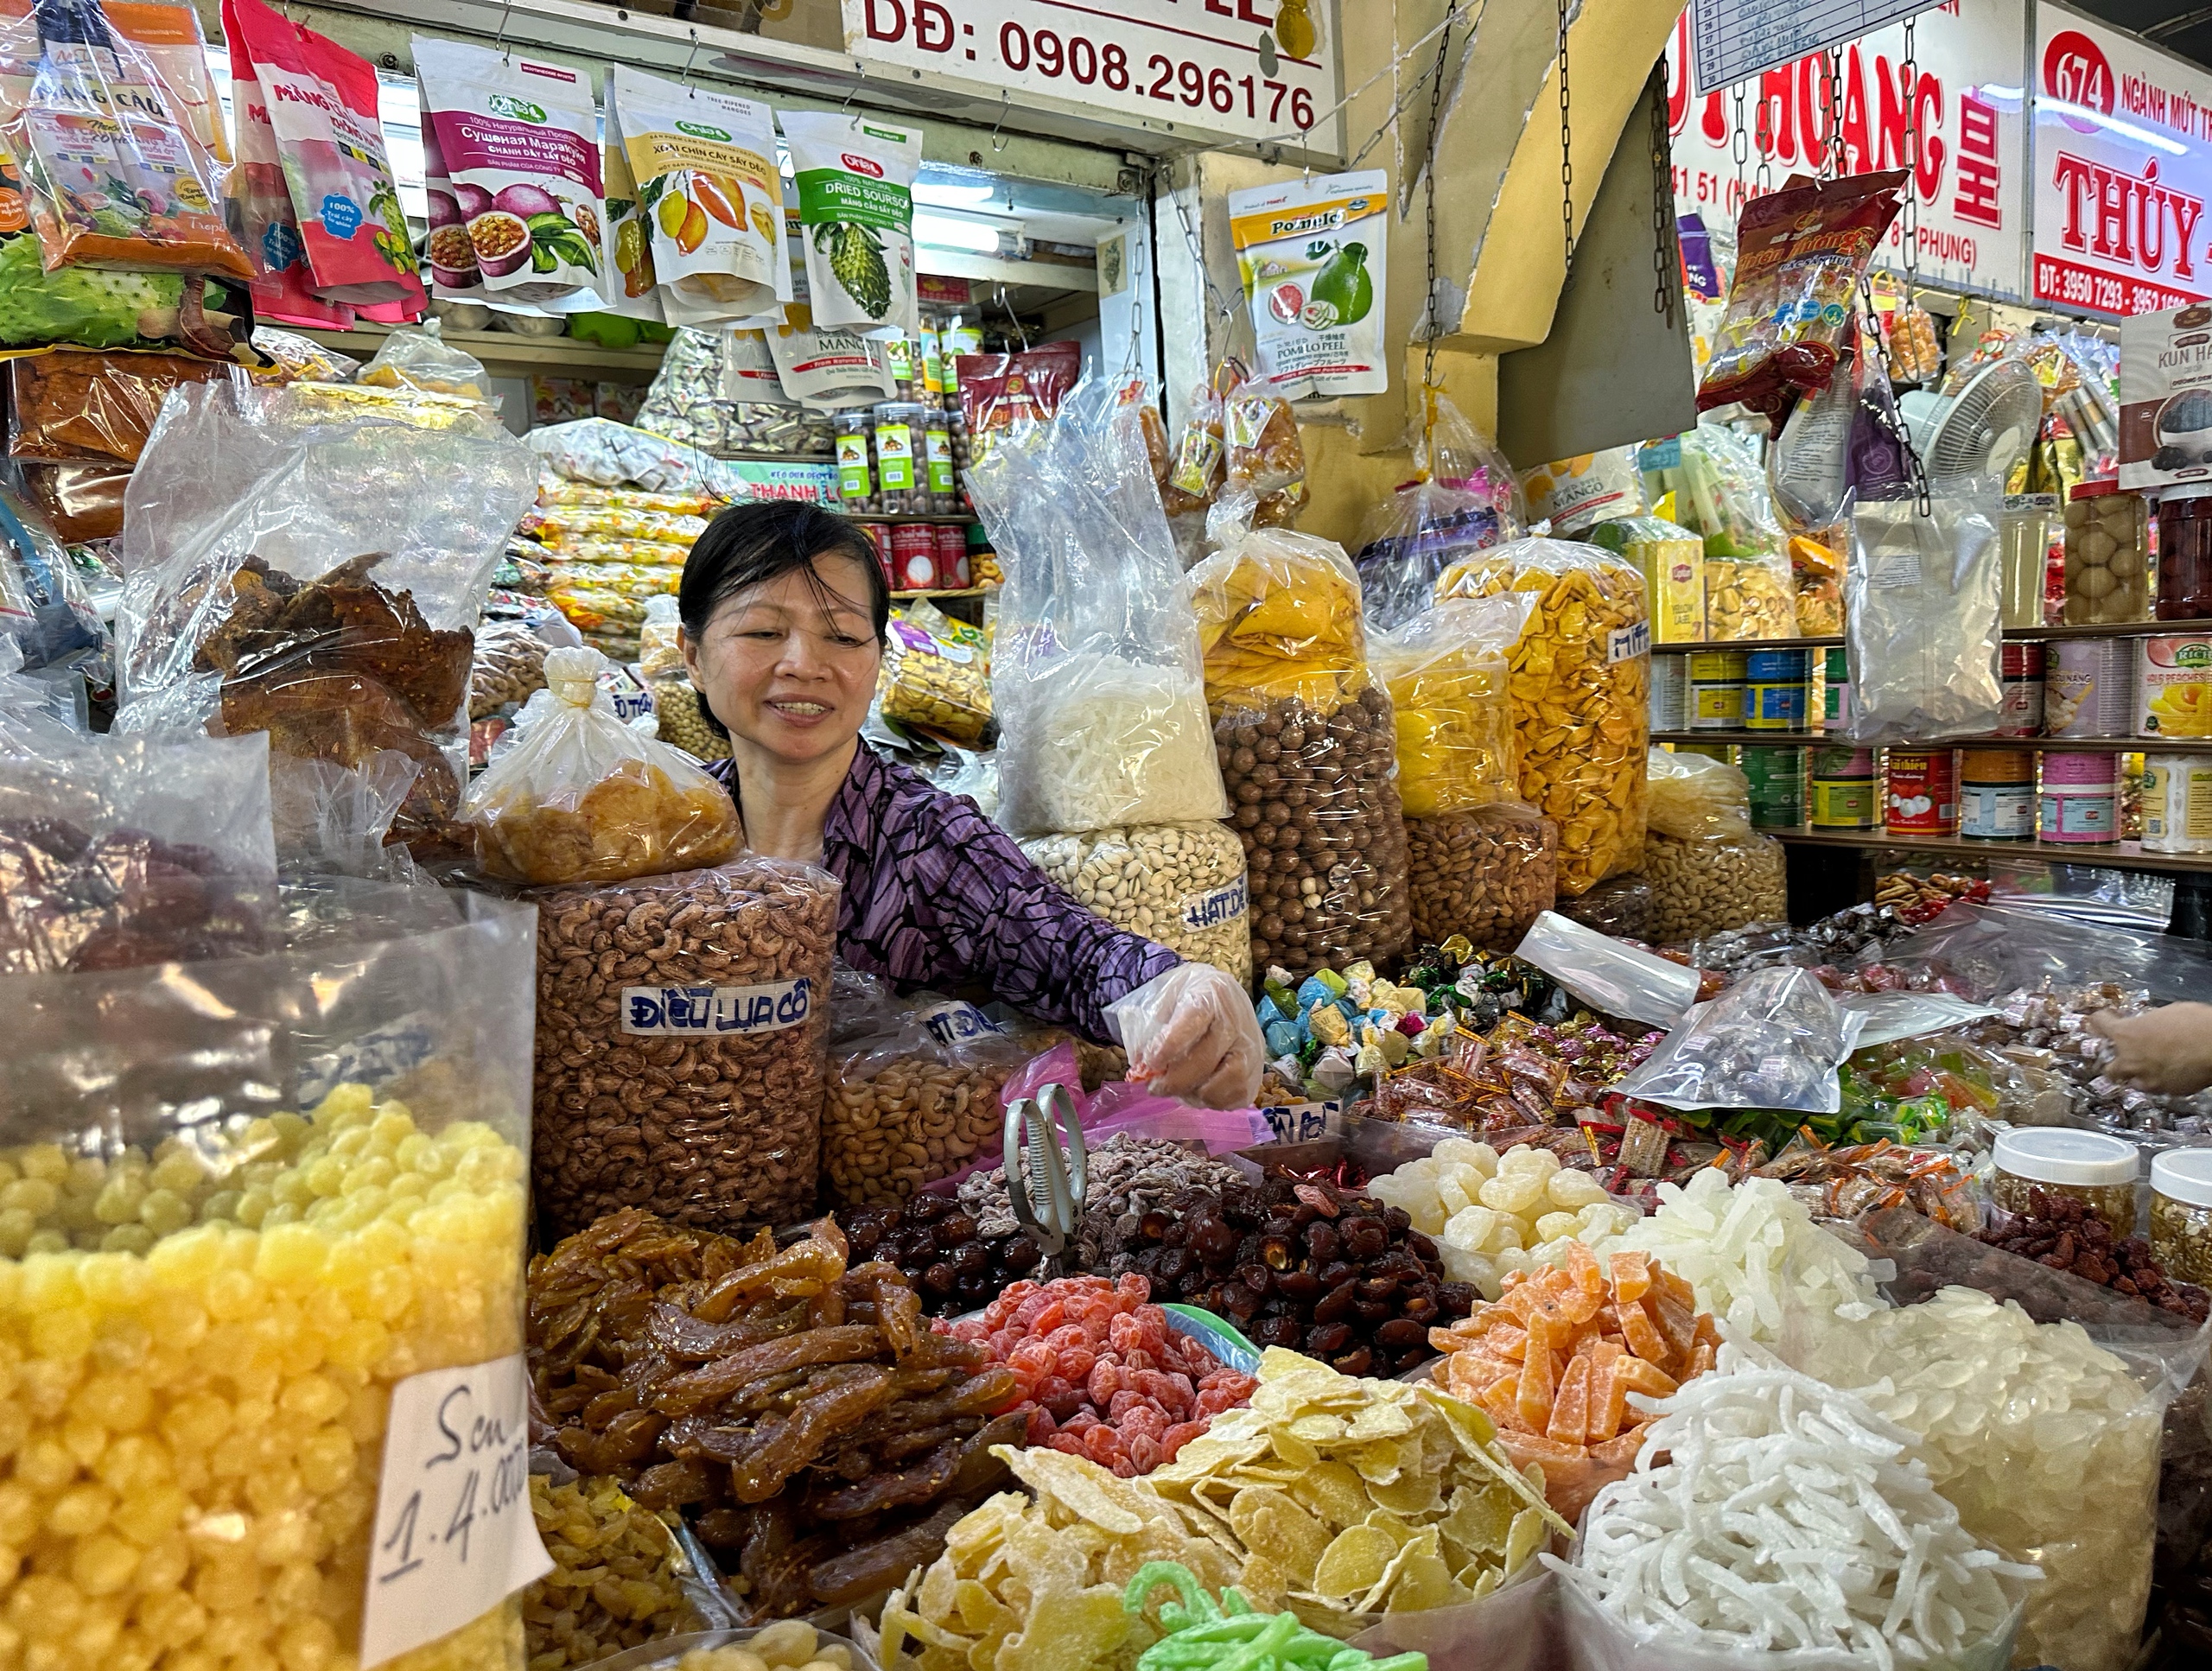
(1314, 279)
(628, 278)
(321, 102)
(709, 193)
(518, 142)
(113, 164)
(855, 202)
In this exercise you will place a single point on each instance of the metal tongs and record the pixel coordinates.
(1046, 1189)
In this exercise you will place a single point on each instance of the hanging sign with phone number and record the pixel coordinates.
(1197, 64)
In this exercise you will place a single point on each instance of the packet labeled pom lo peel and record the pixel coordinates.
(1311, 255)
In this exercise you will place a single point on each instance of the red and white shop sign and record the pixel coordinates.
(2123, 164)
(1964, 98)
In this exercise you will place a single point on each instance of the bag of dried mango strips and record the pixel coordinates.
(1581, 686)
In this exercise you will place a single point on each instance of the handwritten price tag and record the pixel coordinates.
(454, 1533)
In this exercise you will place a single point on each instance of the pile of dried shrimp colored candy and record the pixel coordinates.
(1106, 1377)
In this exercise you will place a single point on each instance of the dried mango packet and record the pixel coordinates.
(1580, 684)
(1800, 255)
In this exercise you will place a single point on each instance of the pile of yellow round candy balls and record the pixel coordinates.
(197, 1349)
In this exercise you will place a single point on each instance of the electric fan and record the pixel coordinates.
(1983, 430)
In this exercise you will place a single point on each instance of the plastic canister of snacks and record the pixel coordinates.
(1923, 792)
(1776, 777)
(901, 476)
(2180, 1214)
(855, 470)
(2088, 687)
(2080, 798)
(1835, 674)
(1846, 794)
(2177, 803)
(1996, 794)
(913, 557)
(2107, 555)
(936, 457)
(2173, 687)
(2185, 553)
(2094, 1167)
(952, 557)
(2023, 548)
(2022, 665)
(1717, 682)
(1670, 693)
(1778, 689)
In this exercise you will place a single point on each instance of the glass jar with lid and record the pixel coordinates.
(2095, 1168)
(2180, 1214)
(2185, 552)
(2024, 552)
(2107, 555)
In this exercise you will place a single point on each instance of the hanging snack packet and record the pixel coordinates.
(827, 370)
(1264, 455)
(518, 141)
(1800, 254)
(258, 207)
(628, 279)
(705, 165)
(1314, 279)
(322, 101)
(114, 166)
(1001, 392)
(856, 203)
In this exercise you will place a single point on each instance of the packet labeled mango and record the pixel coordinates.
(1311, 255)
(710, 192)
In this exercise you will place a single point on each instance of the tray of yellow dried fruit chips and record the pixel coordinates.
(1339, 1498)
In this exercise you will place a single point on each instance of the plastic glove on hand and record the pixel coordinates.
(1192, 1032)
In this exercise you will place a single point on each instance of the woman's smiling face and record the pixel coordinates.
(789, 666)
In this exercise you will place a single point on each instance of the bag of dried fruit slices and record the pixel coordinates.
(518, 141)
(322, 101)
(855, 176)
(709, 193)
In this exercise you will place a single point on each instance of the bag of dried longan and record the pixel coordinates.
(1581, 686)
(1307, 746)
(1481, 862)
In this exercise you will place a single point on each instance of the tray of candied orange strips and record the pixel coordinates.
(1553, 1359)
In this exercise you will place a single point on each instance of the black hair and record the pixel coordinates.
(765, 540)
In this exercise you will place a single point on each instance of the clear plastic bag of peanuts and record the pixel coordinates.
(253, 1254)
(1306, 744)
(914, 1098)
(584, 798)
(1581, 687)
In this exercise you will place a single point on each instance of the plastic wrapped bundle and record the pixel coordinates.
(1922, 603)
(1581, 685)
(1306, 744)
(1708, 870)
(1464, 500)
(1182, 885)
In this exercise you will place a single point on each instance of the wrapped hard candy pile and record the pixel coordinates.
(1788, 1515)
(2040, 1439)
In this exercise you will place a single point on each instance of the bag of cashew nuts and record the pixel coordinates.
(1306, 744)
(584, 798)
(1181, 884)
(913, 1098)
(681, 1026)
(1709, 871)
(1581, 686)
(1095, 671)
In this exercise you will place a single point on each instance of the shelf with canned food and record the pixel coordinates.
(2050, 745)
(2111, 855)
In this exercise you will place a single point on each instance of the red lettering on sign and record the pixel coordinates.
(1979, 176)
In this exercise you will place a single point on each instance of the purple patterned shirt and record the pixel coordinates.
(936, 894)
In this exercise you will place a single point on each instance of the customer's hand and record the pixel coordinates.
(2168, 1050)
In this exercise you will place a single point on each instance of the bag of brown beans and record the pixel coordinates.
(681, 1022)
(1307, 747)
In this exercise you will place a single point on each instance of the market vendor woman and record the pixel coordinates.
(785, 608)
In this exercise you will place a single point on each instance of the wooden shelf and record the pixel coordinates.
(510, 353)
(958, 592)
(957, 520)
(2040, 745)
(2113, 855)
(2012, 635)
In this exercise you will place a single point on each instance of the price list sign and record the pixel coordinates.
(1732, 38)
(1241, 70)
